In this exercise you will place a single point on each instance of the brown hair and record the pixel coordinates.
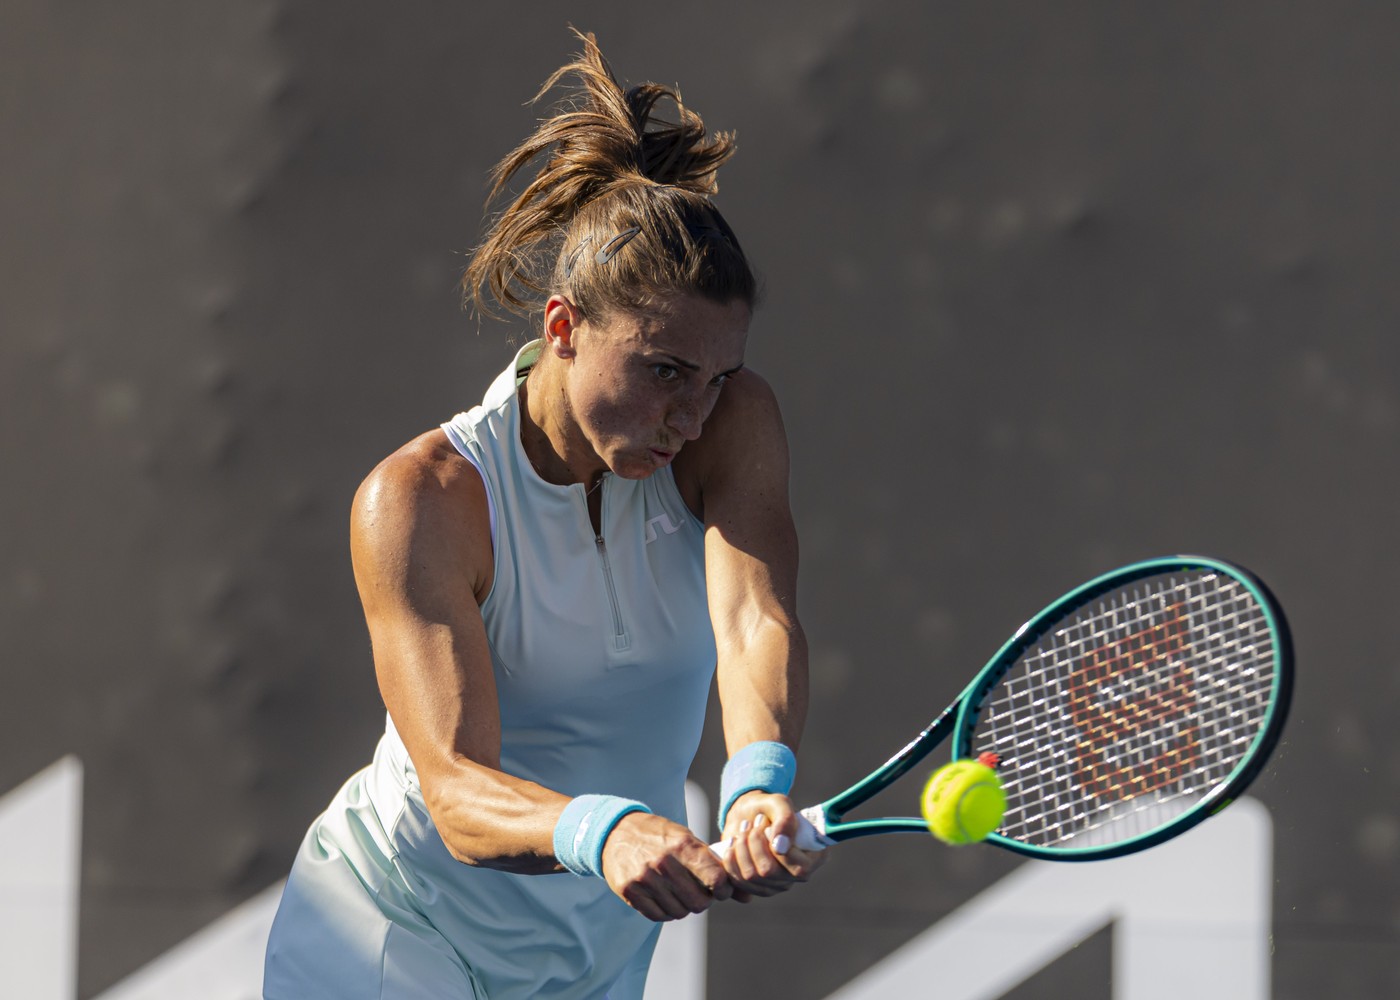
(619, 215)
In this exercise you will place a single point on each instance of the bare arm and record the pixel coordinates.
(751, 570)
(421, 547)
(422, 556)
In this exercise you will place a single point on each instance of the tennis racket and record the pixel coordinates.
(1123, 714)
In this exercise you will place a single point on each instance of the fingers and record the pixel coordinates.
(670, 891)
(756, 861)
(661, 870)
(762, 858)
(744, 867)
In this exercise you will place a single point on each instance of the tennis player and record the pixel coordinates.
(551, 579)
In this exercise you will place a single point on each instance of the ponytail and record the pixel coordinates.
(619, 215)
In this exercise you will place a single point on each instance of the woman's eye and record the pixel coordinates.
(666, 373)
(718, 381)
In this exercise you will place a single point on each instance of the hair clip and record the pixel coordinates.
(573, 257)
(611, 248)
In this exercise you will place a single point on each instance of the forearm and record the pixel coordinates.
(491, 819)
(443, 703)
(763, 685)
(764, 696)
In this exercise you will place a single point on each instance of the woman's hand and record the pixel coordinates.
(757, 827)
(661, 869)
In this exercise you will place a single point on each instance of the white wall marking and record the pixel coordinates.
(1192, 919)
(41, 825)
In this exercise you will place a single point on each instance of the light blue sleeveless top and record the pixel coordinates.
(603, 654)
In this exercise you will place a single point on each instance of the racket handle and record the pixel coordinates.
(808, 838)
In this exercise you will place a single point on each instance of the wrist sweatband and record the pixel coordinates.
(584, 826)
(764, 766)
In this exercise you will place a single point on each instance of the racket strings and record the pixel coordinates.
(1129, 711)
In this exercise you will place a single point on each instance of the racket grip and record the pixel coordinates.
(808, 837)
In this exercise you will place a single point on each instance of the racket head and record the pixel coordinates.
(1132, 708)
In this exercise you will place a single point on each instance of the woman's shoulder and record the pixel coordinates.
(745, 418)
(426, 480)
(744, 430)
(423, 510)
(747, 396)
(428, 464)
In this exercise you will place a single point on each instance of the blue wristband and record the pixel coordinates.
(584, 826)
(764, 766)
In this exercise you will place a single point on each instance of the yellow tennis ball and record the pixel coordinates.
(963, 802)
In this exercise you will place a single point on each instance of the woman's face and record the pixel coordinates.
(641, 384)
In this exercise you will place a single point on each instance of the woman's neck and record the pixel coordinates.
(549, 433)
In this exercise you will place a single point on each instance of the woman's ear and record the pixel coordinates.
(561, 322)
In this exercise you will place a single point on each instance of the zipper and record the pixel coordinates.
(620, 639)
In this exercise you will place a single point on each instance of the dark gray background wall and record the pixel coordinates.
(1051, 287)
